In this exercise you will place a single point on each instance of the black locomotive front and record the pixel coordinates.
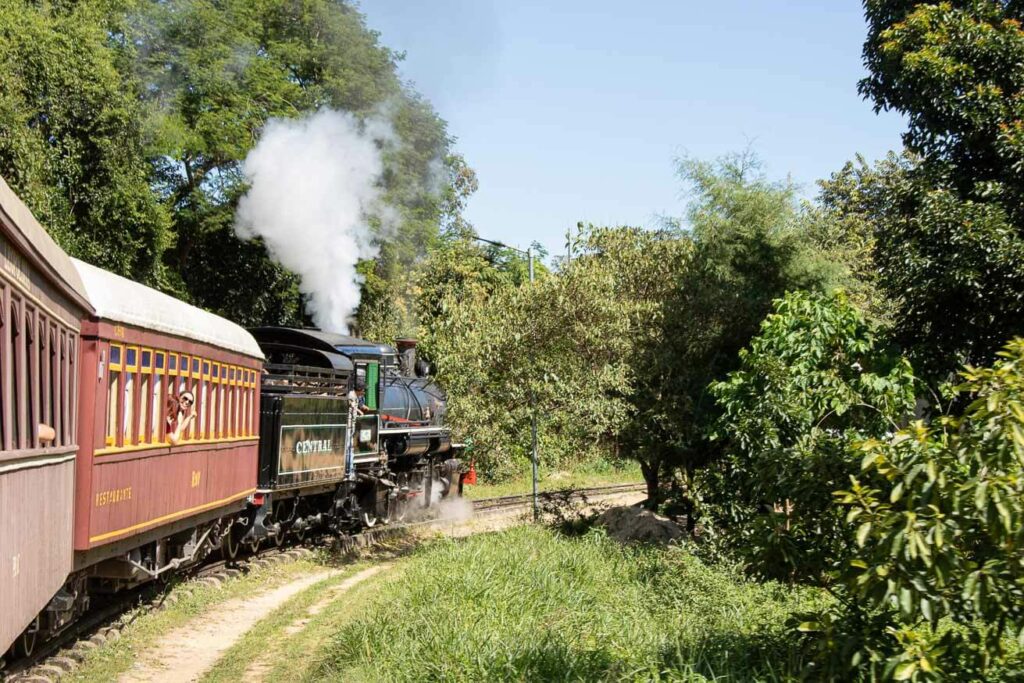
(347, 439)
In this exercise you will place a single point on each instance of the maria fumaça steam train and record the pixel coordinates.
(139, 434)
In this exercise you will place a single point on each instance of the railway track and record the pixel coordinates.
(560, 497)
(58, 657)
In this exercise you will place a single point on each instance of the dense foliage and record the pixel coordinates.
(508, 350)
(72, 138)
(812, 383)
(948, 225)
(939, 511)
(617, 347)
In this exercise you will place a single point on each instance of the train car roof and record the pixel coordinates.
(325, 341)
(124, 301)
(31, 240)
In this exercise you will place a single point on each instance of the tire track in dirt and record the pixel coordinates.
(187, 652)
(258, 669)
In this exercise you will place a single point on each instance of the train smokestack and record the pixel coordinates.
(407, 356)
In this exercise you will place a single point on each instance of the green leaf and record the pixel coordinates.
(905, 671)
(862, 533)
(897, 493)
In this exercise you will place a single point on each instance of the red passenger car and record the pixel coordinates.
(168, 430)
(41, 303)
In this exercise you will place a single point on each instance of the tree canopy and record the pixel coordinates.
(949, 246)
(126, 121)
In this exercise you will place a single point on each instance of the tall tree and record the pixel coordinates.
(751, 244)
(71, 136)
(949, 243)
(212, 73)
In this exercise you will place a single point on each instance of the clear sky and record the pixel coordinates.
(575, 109)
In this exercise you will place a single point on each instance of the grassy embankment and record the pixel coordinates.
(529, 604)
(552, 480)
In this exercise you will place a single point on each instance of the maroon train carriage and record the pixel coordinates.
(43, 301)
(169, 424)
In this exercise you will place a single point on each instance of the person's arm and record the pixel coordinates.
(182, 427)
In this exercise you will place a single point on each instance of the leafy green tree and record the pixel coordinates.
(949, 247)
(71, 137)
(643, 268)
(506, 350)
(211, 74)
(751, 244)
(936, 585)
(809, 386)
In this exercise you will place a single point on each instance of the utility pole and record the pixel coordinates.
(533, 415)
(533, 401)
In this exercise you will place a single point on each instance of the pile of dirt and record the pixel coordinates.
(632, 524)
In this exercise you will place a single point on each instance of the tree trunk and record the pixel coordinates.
(650, 472)
(689, 509)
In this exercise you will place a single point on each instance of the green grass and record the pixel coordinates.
(529, 604)
(552, 480)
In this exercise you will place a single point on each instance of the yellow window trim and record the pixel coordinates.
(113, 365)
(166, 444)
(152, 360)
(135, 366)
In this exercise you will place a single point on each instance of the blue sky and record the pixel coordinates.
(575, 110)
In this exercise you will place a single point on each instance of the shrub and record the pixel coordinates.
(939, 515)
(809, 386)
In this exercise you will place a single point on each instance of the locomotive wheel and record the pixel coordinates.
(300, 534)
(254, 546)
(229, 546)
(369, 519)
(26, 643)
(279, 538)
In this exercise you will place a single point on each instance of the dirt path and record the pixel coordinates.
(257, 670)
(187, 652)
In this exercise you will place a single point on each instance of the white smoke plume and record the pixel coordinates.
(314, 188)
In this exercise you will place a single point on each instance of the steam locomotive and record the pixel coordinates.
(139, 434)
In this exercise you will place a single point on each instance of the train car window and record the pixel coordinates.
(128, 407)
(214, 402)
(18, 371)
(46, 384)
(243, 399)
(172, 364)
(222, 415)
(184, 374)
(31, 360)
(156, 406)
(66, 401)
(232, 402)
(247, 392)
(203, 398)
(145, 395)
(113, 391)
(69, 390)
(131, 369)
